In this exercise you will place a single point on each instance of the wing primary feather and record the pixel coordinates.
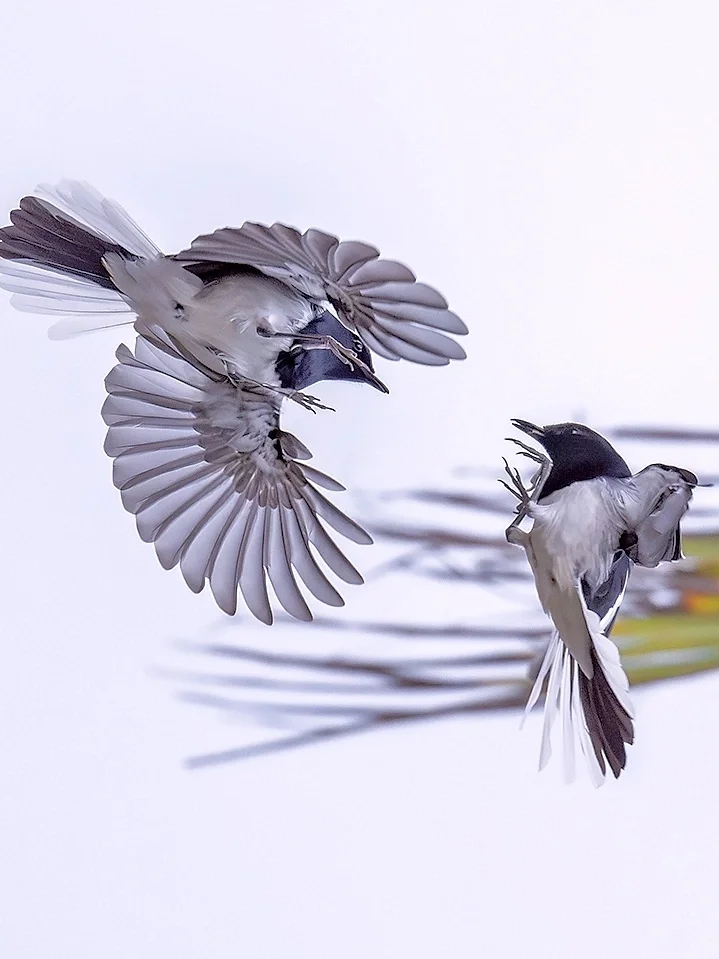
(327, 548)
(304, 562)
(225, 557)
(335, 517)
(279, 569)
(252, 582)
(197, 554)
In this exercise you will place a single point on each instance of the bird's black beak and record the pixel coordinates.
(369, 376)
(688, 477)
(536, 432)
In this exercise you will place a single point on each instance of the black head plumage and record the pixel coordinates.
(577, 453)
(299, 367)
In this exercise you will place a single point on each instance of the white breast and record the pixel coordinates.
(228, 314)
(580, 526)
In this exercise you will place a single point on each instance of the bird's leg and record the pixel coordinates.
(305, 400)
(526, 450)
(539, 478)
(317, 341)
(516, 487)
(525, 496)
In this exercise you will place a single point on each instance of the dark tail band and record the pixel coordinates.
(40, 234)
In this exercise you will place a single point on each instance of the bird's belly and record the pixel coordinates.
(579, 529)
(573, 556)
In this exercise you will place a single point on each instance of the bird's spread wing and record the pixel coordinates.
(380, 299)
(215, 483)
(586, 684)
(666, 491)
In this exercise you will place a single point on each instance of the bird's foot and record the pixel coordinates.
(526, 496)
(528, 451)
(305, 400)
(517, 488)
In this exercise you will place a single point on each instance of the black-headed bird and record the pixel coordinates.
(226, 331)
(592, 520)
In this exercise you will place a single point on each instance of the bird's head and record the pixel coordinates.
(577, 453)
(300, 367)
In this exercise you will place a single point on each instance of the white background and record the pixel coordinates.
(552, 168)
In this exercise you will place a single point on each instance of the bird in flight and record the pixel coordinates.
(592, 520)
(227, 330)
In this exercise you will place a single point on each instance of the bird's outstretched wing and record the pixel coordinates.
(216, 485)
(396, 316)
(666, 491)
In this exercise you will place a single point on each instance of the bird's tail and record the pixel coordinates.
(51, 257)
(595, 710)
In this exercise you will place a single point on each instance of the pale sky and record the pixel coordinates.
(552, 168)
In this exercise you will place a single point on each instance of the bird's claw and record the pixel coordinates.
(314, 341)
(516, 487)
(526, 496)
(305, 400)
(528, 451)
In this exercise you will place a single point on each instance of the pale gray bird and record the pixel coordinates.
(591, 521)
(225, 332)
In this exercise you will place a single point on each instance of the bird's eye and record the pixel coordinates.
(574, 432)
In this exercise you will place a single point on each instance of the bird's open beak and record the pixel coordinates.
(536, 432)
(689, 477)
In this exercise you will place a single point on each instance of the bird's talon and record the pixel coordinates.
(517, 487)
(306, 401)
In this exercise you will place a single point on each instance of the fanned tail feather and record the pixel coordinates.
(595, 712)
(51, 257)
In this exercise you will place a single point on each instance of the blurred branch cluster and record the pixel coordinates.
(472, 632)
